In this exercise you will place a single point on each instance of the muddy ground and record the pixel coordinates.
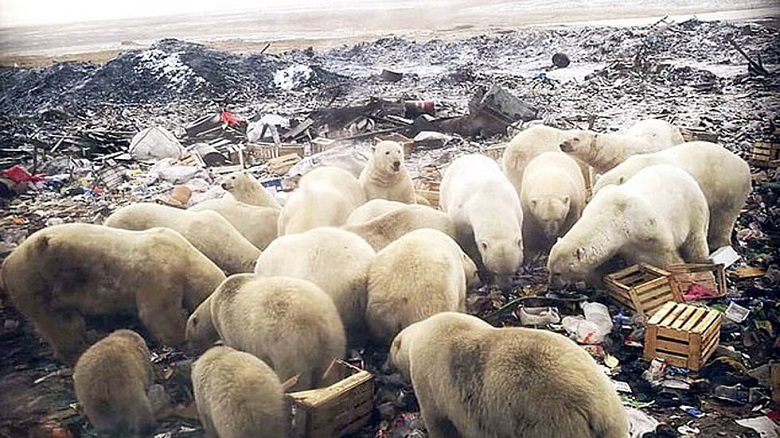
(688, 73)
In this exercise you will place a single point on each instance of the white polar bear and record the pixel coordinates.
(372, 210)
(256, 224)
(325, 197)
(553, 195)
(605, 151)
(486, 211)
(385, 229)
(238, 395)
(530, 143)
(243, 187)
(385, 176)
(723, 177)
(335, 260)
(659, 217)
(289, 323)
(209, 232)
(475, 381)
(420, 274)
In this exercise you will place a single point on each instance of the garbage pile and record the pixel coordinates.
(78, 141)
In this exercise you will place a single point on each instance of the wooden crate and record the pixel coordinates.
(338, 409)
(495, 152)
(684, 335)
(321, 144)
(765, 154)
(642, 288)
(709, 275)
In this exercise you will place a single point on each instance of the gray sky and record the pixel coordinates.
(30, 12)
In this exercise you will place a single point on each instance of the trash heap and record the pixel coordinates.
(164, 124)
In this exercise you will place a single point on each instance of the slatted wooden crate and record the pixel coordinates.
(765, 154)
(709, 275)
(684, 335)
(495, 152)
(341, 408)
(642, 288)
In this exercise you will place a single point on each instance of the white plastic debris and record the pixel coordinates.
(293, 76)
(154, 144)
(724, 255)
(593, 327)
(763, 425)
(641, 423)
(736, 313)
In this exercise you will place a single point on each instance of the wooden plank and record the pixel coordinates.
(666, 332)
(651, 334)
(677, 347)
(694, 357)
(683, 317)
(678, 309)
(674, 359)
(705, 322)
(661, 314)
(694, 319)
(653, 294)
(657, 302)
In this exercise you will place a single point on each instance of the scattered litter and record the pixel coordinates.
(765, 427)
(736, 313)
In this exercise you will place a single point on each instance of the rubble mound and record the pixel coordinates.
(168, 70)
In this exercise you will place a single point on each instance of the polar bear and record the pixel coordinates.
(325, 197)
(605, 151)
(289, 323)
(256, 224)
(552, 195)
(473, 380)
(418, 275)
(238, 395)
(63, 273)
(486, 211)
(383, 230)
(723, 177)
(209, 232)
(335, 260)
(527, 145)
(243, 187)
(372, 210)
(659, 217)
(111, 379)
(385, 176)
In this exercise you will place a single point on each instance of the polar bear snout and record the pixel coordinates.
(396, 166)
(567, 146)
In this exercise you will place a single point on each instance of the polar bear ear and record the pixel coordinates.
(483, 244)
(621, 179)
(534, 203)
(580, 253)
(566, 200)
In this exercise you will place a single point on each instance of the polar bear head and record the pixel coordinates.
(471, 271)
(388, 156)
(501, 255)
(200, 333)
(239, 181)
(579, 143)
(551, 213)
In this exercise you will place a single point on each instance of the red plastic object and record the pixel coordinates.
(19, 175)
(696, 291)
(229, 118)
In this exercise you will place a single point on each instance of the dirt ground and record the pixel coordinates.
(685, 72)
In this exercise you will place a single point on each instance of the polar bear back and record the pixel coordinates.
(337, 179)
(418, 275)
(206, 230)
(335, 260)
(256, 224)
(289, 323)
(726, 189)
(387, 228)
(509, 382)
(658, 133)
(238, 395)
(94, 270)
(373, 209)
